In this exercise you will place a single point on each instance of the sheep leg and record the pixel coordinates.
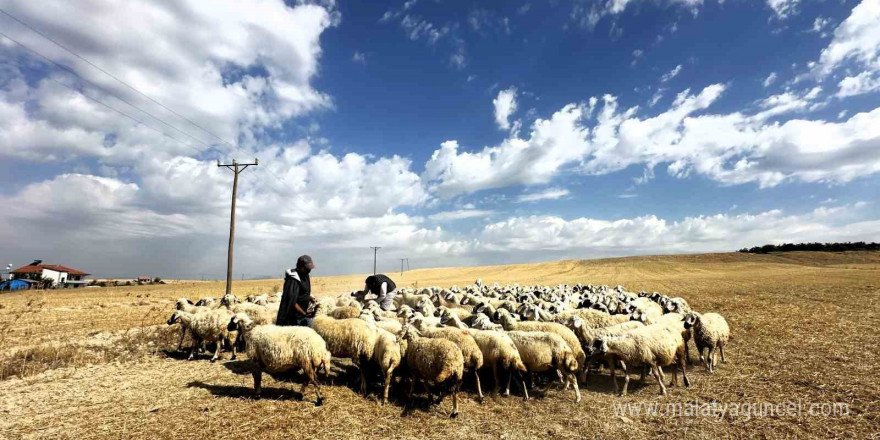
(196, 344)
(455, 387)
(625, 378)
(587, 369)
(387, 384)
(709, 353)
(233, 344)
(319, 400)
(721, 349)
(658, 373)
(684, 376)
(613, 366)
(577, 391)
(182, 335)
(258, 381)
(562, 380)
(479, 387)
(644, 373)
(217, 351)
(714, 358)
(361, 364)
(498, 379)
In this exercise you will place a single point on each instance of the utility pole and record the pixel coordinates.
(402, 260)
(375, 250)
(236, 169)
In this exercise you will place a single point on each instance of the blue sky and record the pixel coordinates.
(445, 132)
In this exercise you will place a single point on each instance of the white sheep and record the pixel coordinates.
(348, 338)
(432, 361)
(654, 346)
(473, 355)
(276, 349)
(710, 332)
(386, 354)
(542, 351)
(499, 351)
(210, 326)
(553, 327)
(187, 306)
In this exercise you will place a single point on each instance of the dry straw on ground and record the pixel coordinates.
(90, 363)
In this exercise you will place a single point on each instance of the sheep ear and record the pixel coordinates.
(578, 323)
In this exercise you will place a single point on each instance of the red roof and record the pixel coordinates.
(56, 267)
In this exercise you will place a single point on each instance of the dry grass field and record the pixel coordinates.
(95, 363)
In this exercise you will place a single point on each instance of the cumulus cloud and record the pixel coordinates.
(856, 39)
(862, 83)
(650, 234)
(771, 78)
(551, 144)
(505, 105)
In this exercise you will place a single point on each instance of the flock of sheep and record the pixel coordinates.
(437, 335)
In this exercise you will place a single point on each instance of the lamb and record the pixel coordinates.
(206, 302)
(411, 299)
(710, 332)
(589, 335)
(348, 338)
(258, 299)
(187, 306)
(386, 354)
(482, 322)
(654, 346)
(553, 327)
(473, 355)
(210, 326)
(542, 351)
(277, 349)
(433, 361)
(499, 351)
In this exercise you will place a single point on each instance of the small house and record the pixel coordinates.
(55, 274)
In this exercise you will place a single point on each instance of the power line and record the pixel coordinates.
(104, 90)
(120, 112)
(115, 77)
(237, 147)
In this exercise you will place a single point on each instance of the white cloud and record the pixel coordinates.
(505, 105)
(789, 102)
(771, 78)
(202, 75)
(671, 74)
(551, 144)
(460, 214)
(359, 57)
(783, 8)
(819, 25)
(862, 83)
(856, 39)
(547, 194)
(656, 97)
(731, 148)
(650, 234)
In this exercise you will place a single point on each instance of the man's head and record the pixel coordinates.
(305, 264)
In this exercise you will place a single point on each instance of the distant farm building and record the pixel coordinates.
(54, 275)
(144, 280)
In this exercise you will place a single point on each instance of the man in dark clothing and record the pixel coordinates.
(297, 294)
(384, 289)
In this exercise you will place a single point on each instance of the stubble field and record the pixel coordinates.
(97, 363)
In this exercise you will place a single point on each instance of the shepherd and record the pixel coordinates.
(297, 295)
(384, 289)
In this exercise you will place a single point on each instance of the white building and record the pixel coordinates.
(61, 276)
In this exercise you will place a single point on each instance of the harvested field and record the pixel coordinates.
(95, 363)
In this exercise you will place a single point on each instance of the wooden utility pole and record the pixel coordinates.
(236, 169)
(402, 260)
(375, 250)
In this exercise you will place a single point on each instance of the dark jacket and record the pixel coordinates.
(297, 290)
(374, 283)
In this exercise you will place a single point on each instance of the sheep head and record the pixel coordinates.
(175, 318)
(240, 321)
